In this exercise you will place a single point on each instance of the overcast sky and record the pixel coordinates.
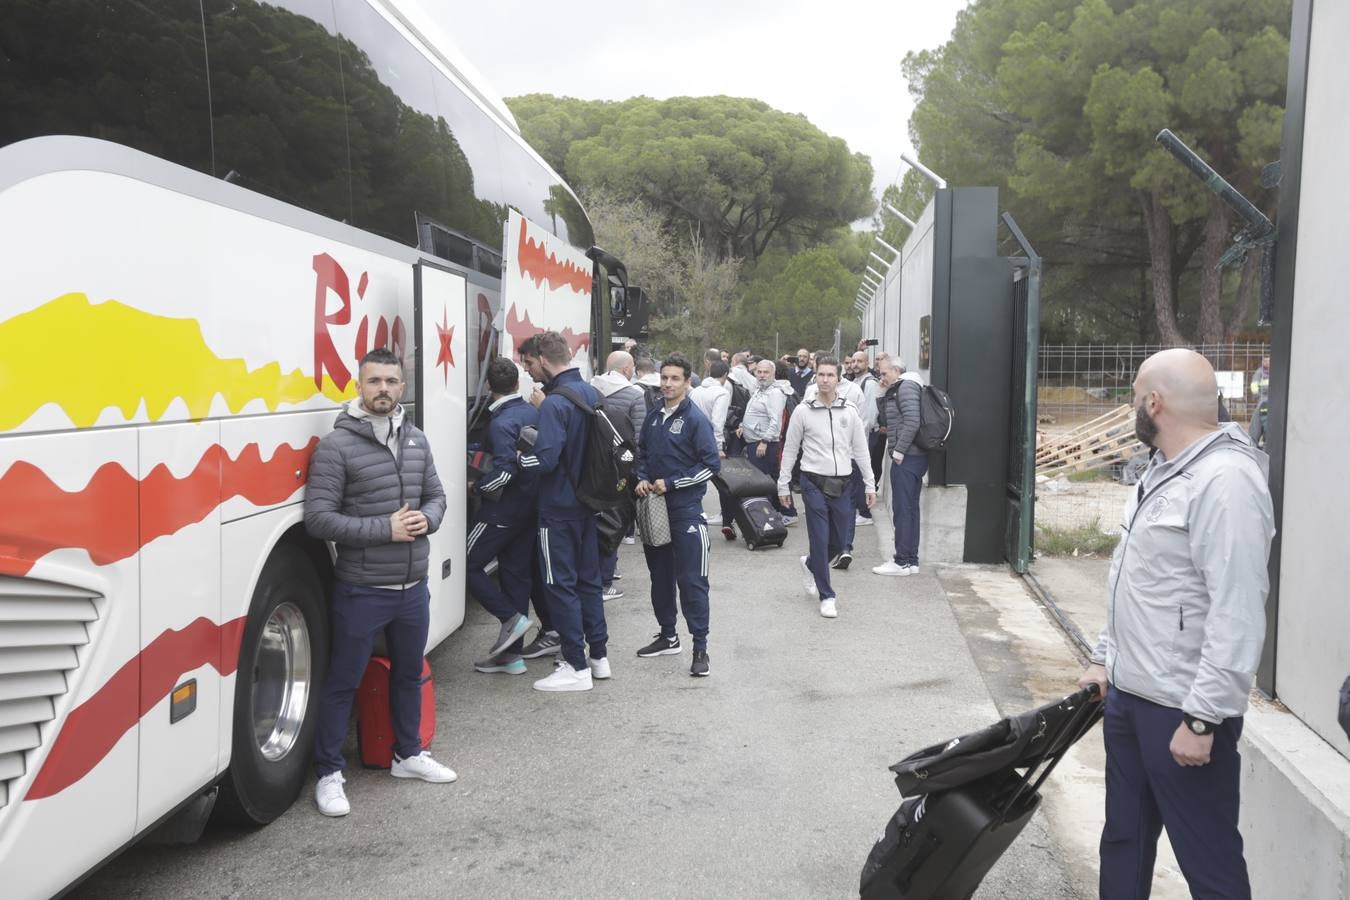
(836, 62)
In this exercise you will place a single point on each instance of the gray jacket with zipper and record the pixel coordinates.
(356, 483)
(899, 412)
(1187, 586)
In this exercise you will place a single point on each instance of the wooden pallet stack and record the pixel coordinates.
(1107, 439)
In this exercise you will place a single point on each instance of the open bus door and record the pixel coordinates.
(440, 313)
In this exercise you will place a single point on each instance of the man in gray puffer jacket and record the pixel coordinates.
(373, 492)
(898, 412)
(1185, 624)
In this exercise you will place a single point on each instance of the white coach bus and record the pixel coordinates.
(208, 212)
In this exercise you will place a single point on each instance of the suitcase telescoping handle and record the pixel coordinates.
(1088, 712)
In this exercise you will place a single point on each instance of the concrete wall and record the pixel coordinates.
(1295, 809)
(1296, 775)
(1313, 650)
(914, 298)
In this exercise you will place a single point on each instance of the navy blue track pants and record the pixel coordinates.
(358, 614)
(682, 565)
(569, 557)
(827, 519)
(1146, 789)
(512, 547)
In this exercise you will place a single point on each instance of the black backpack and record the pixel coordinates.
(740, 399)
(652, 394)
(936, 415)
(606, 481)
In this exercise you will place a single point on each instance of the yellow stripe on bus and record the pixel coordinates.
(88, 357)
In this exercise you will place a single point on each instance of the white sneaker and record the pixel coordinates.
(790, 520)
(911, 570)
(599, 668)
(714, 520)
(424, 767)
(565, 678)
(827, 609)
(630, 539)
(809, 580)
(330, 796)
(890, 567)
(861, 520)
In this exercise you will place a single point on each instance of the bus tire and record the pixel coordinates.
(283, 658)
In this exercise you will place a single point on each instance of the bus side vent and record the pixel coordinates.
(42, 625)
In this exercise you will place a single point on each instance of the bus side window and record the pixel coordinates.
(277, 102)
(131, 73)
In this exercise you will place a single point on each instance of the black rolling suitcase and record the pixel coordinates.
(739, 478)
(972, 803)
(759, 523)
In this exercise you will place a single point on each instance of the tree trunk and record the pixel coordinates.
(1211, 276)
(1158, 224)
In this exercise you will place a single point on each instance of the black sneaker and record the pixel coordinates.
(661, 646)
(545, 643)
(700, 667)
(842, 561)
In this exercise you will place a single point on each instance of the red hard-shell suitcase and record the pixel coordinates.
(375, 726)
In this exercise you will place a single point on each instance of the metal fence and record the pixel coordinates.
(1079, 383)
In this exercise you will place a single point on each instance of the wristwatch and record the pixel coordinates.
(1198, 726)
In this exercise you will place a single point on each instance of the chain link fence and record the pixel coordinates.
(1083, 384)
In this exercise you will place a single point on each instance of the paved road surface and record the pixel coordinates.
(766, 780)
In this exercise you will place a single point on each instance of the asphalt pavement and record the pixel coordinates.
(767, 779)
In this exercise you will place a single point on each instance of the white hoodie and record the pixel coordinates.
(610, 382)
(386, 427)
(830, 439)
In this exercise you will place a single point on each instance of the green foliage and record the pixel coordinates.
(1057, 103)
(800, 297)
(1088, 540)
(738, 173)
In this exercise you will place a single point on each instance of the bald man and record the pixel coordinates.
(1185, 624)
(621, 399)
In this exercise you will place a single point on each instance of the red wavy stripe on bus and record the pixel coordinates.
(520, 329)
(539, 266)
(95, 726)
(101, 518)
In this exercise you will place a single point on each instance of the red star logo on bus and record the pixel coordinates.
(445, 333)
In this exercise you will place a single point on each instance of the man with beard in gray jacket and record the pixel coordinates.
(373, 492)
(1185, 624)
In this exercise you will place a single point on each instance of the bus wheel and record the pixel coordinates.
(282, 660)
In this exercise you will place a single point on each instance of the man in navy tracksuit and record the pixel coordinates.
(507, 517)
(677, 457)
(569, 548)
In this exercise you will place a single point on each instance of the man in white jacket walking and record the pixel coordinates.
(1185, 624)
(828, 434)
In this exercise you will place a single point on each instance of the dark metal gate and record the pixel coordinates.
(1026, 337)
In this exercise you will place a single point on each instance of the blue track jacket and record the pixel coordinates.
(561, 447)
(519, 487)
(682, 450)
